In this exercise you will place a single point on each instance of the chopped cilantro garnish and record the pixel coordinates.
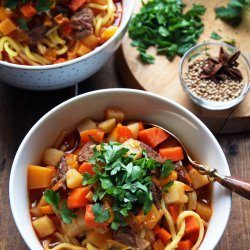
(100, 213)
(167, 168)
(215, 36)
(53, 199)
(162, 24)
(167, 186)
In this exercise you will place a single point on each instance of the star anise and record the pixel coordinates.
(219, 69)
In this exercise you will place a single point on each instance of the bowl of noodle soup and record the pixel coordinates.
(45, 46)
(108, 108)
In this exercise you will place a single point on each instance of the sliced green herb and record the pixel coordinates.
(162, 23)
(53, 198)
(100, 213)
(167, 186)
(215, 36)
(167, 168)
(22, 23)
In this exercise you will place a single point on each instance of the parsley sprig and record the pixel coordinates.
(162, 23)
(126, 180)
(53, 198)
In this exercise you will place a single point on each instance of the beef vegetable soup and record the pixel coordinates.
(113, 184)
(47, 32)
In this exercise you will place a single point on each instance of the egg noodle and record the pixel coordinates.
(21, 53)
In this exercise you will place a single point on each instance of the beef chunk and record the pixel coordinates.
(82, 23)
(152, 153)
(37, 30)
(86, 152)
(157, 196)
(182, 173)
(62, 169)
(126, 237)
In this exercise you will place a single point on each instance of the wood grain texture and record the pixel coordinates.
(162, 77)
(20, 109)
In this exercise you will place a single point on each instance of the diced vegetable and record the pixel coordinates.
(7, 26)
(172, 153)
(174, 211)
(76, 4)
(114, 113)
(150, 219)
(96, 135)
(28, 10)
(86, 167)
(134, 128)
(77, 197)
(198, 180)
(185, 245)
(71, 160)
(107, 33)
(39, 177)
(158, 245)
(191, 225)
(123, 133)
(172, 177)
(52, 156)
(108, 125)
(134, 147)
(90, 218)
(176, 194)
(46, 209)
(44, 226)
(153, 136)
(73, 178)
(86, 124)
(162, 234)
(78, 225)
(99, 239)
(35, 211)
(205, 211)
(4, 13)
(91, 41)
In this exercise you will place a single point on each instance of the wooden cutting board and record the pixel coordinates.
(162, 77)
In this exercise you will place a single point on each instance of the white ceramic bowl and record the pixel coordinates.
(142, 105)
(69, 73)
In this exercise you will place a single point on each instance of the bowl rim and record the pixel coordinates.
(14, 210)
(121, 27)
(208, 104)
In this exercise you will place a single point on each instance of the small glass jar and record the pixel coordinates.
(201, 52)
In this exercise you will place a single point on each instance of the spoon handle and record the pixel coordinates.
(236, 185)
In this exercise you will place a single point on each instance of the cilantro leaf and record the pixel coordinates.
(43, 5)
(167, 186)
(22, 23)
(52, 198)
(162, 24)
(67, 214)
(167, 168)
(100, 213)
(10, 4)
(215, 36)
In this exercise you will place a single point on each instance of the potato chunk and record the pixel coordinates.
(198, 180)
(86, 124)
(44, 226)
(114, 113)
(52, 156)
(134, 147)
(134, 128)
(73, 178)
(107, 125)
(176, 194)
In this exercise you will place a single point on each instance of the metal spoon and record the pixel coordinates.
(235, 184)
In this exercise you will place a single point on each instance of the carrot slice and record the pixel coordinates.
(46, 209)
(172, 153)
(158, 245)
(185, 245)
(86, 167)
(191, 225)
(90, 218)
(153, 136)
(28, 10)
(162, 234)
(76, 4)
(174, 211)
(92, 134)
(77, 198)
(123, 133)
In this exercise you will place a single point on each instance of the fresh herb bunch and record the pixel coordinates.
(163, 24)
(126, 180)
(233, 12)
(41, 5)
